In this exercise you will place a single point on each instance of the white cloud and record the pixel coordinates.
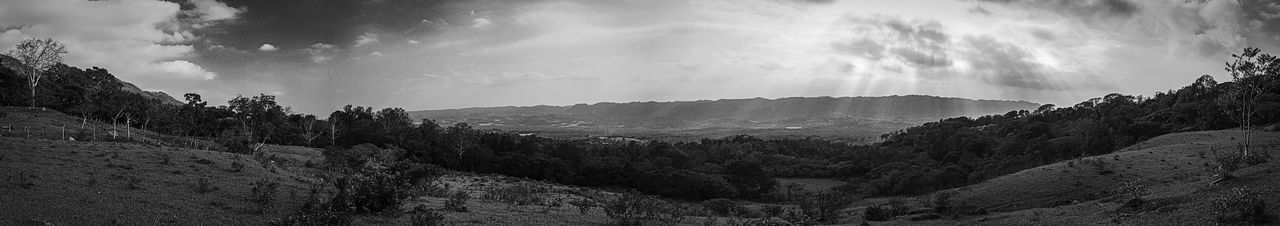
(366, 39)
(321, 53)
(376, 54)
(480, 23)
(137, 40)
(413, 42)
(183, 69)
(212, 10)
(267, 48)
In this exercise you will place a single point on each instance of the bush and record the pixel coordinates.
(264, 192)
(237, 166)
(632, 208)
(310, 215)
(367, 192)
(894, 208)
(427, 218)
(516, 195)
(942, 202)
(584, 205)
(457, 202)
(203, 185)
(1227, 163)
(1243, 206)
(773, 211)
(724, 207)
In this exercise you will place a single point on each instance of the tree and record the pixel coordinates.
(36, 57)
(1249, 73)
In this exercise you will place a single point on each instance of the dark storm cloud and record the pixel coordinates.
(919, 44)
(1088, 8)
(923, 60)
(1004, 64)
(1264, 15)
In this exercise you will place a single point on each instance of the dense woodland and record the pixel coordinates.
(948, 153)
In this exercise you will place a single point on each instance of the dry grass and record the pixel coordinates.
(132, 183)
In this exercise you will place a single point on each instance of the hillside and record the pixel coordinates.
(143, 180)
(13, 82)
(1175, 170)
(798, 115)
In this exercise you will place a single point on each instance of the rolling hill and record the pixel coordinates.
(1174, 171)
(758, 116)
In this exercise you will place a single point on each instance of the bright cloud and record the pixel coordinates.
(267, 48)
(144, 42)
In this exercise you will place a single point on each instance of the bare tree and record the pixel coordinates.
(36, 57)
(1249, 71)
(309, 130)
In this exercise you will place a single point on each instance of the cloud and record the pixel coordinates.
(183, 69)
(1004, 64)
(321, 53)
(916, 43)
(366, 39)
(919, 59)
(135, 39)
(212, 10)
(266, 47)
(1271, 11)
(1088, 8)
(1198, 28)
(480, 23)
(375, 54)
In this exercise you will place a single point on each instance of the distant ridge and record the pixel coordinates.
(755, 112)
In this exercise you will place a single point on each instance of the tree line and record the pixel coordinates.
(937, 155)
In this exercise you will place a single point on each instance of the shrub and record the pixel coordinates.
(894, 208)
(1098, 164)
(166, 158)
(313, 215)
(724, 207)
(368, 192)
(457, 202)
(23, 179)
(516, 195)
(1132, 190)
(1243, 206)
(263, 192)
(942, 202)
(203, 185)
(237, 166)
(632, 208)
(773, 211)
(133, 182)
(427, 218)
(584, 205)
(1226, 163)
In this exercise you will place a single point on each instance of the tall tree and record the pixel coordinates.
(1249, 74)
(36, 57)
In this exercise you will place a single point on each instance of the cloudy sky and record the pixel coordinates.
(317, 55)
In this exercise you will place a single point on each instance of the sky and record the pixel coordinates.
(319, 55)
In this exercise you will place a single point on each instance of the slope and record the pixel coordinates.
(1175, 170)
(139, 181)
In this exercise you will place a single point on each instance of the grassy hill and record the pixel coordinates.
(149, 179)
(1175, 170)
